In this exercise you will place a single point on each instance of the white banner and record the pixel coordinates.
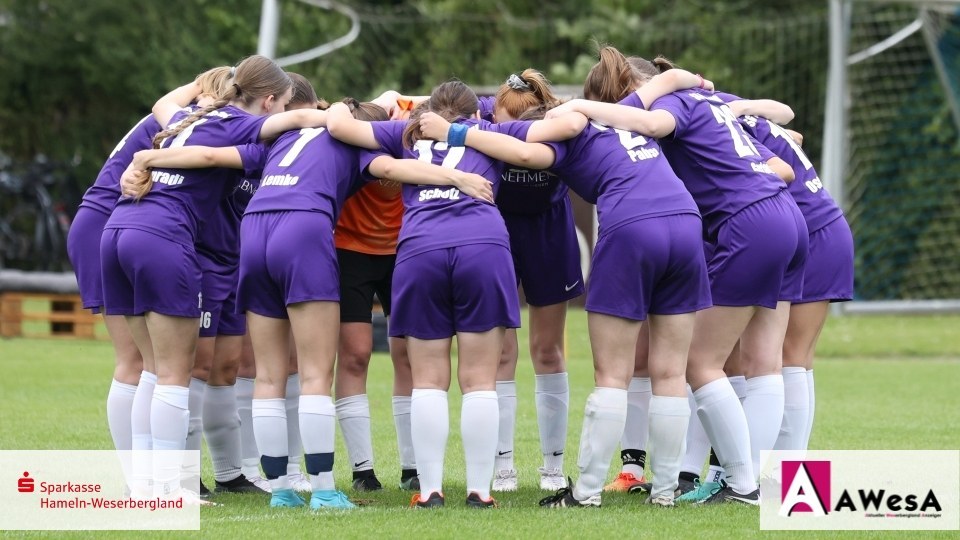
(860, 490)
(88, 490)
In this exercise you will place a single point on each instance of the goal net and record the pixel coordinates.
(901, 171)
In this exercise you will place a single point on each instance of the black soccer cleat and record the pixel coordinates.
(474, 501)
(564, 498)
(409, 481)
(366, 481)
(240, 484)
(727, 495)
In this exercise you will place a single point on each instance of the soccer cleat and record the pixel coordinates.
(409, 480)
(435, 500)
(189, 498)
(505, 480)
(660, 500)
(727, 495)
(330, 498)
(474, 501)
(701, 491)
(683, 486)
(240, 484)
(260, 482)
(552, 479)
(564, 498)
(286, 498)
(204, 491)
(624, 482)
(366, 481)
(299, 482)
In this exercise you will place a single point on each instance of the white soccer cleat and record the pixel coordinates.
(505, 480)
(299, 482)
(189, 498)
(260, 482)
(661, 500)
(552, 479)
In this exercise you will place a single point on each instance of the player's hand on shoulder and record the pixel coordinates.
(433, 126)
(475, 186)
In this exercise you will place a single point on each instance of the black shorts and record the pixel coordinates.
(362, 275)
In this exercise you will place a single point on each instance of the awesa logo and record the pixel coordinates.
(805, 489)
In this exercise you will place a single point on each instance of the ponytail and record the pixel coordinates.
(611, 78)
(524, 91)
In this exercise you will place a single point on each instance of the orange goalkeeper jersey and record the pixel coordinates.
(370, 220)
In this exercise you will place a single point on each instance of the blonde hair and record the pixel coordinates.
(214, 82)
(525, 91)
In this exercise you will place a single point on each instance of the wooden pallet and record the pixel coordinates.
(63, 314)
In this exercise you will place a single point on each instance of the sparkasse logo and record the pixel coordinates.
(25, 484)
(806, 489)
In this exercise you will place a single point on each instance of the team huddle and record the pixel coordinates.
(247, 208)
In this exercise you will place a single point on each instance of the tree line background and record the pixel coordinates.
(74, 76)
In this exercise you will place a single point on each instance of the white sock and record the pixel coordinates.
(140, 439)
(195, 422)
(812, 407)
(552, 396)
(221, 428)
(796, 407)
(763, 408)
(478, 429)
(353, 413)
(249, 453)
(318, 426)
(270, 430)
(638, 412)
(715, 474)
(507, 403)
(698, 444)
(169, 418)
(294, 442)
(401, 419)
(724, 421)
(668, 431)
(604, 417)
(429, 427)
(119, 407)
(739, 384)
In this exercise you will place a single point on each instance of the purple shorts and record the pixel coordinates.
(546, 254)
(219, 317)
(468, 288)
(286, 258)
(828, 272)
(83, 247)
(651, 266)
(756, 249)
(144, 272)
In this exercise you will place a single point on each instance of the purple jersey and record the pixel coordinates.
(180, 200)
(219, 240)
(310, 171)
(718, 162)
(527, 191)
(437, 217)
(105, 191)
(817, 206)
(623, 173)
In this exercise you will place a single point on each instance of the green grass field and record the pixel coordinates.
(882, 383)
